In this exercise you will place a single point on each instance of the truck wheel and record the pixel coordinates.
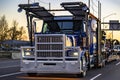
(32, 74)
(82, 74)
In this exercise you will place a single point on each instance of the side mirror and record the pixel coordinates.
(19, 10)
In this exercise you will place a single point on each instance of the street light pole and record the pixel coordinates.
(49, 6)
(103, 23)
(107, 17)
(28, 1)
(89, 4)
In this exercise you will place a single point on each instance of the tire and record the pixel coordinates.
(84, 69)
(82, 74)
(32, 74)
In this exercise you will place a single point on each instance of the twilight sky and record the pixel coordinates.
(9, 9)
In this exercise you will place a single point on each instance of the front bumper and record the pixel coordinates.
(69, 67)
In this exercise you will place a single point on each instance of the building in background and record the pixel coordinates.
(9, 45)
(114, 25)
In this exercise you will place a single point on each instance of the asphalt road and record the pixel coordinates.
(10, 70)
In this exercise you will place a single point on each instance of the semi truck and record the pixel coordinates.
(67, 44)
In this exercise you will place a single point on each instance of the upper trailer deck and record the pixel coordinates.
(77, 9)
(36, 11)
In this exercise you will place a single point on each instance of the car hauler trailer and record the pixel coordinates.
(68, 44)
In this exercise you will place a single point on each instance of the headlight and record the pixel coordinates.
(71, 54)
(75, 53)
(30, 53)
(27, 53)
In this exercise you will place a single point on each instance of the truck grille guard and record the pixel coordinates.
(48, 47)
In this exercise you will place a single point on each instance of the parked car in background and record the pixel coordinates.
(117, 50)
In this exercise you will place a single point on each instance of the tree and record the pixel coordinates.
(3, 28)
(21, 33)
(14, 33)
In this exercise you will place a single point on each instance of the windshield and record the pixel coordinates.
(65, 25)
(69, 26)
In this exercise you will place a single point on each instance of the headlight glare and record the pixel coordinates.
(27, 53)
(71, 54)
(75, 53)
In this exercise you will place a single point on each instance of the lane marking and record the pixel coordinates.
(47, 78)
(11, 74)
(11, 66)
(117, 63)
(95, 77)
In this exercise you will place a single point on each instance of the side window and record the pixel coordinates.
(45, 28)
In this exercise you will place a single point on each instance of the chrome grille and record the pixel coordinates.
(49, 54)
(49, 39)
(49, 45)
